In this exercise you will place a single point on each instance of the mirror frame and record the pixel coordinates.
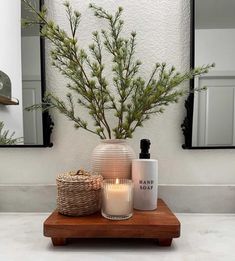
(187, 125)
(46, 118)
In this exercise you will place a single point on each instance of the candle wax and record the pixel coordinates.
(117, 199)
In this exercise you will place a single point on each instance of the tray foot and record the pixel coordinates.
(58, 241)
(164, 242)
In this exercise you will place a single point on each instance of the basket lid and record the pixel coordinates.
(80, 176)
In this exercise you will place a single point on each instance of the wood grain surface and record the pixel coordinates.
(159, 224)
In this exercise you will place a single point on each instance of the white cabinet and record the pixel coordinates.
(214, 117)
(33, 134)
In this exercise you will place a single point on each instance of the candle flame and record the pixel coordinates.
(117, 181)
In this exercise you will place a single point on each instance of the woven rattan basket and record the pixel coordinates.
(79, 193)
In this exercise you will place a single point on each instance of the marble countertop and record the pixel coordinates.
(204, 237)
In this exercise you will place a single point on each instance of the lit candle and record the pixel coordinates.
(117, 200)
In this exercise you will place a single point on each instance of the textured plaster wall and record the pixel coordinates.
(163, 35)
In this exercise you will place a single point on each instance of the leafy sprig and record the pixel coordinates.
(7, 138)
(134, 100)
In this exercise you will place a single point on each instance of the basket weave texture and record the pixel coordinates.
(79, 193)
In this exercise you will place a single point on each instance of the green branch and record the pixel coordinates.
(134, 99)
(7, 138)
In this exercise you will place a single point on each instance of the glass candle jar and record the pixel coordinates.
(117, 199)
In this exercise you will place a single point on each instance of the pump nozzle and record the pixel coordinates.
(144, 146)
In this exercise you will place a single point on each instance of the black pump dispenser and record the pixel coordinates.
(145, 178)
(144, 146)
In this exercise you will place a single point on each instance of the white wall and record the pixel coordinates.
(10, 62)
(31, 66)
(215, 45)
(163, 35)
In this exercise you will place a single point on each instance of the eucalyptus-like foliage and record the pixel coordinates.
(7, 138)
(129, 97)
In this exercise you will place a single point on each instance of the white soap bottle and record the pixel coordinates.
(145, 179)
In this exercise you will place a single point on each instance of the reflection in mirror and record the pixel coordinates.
(20, 76)
(213, 112)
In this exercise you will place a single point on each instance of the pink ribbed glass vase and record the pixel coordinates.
(112, 159)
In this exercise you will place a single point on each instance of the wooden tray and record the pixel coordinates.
(160, 224)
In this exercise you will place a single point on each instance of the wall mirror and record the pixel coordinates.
(22, 79)
(210, 121)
